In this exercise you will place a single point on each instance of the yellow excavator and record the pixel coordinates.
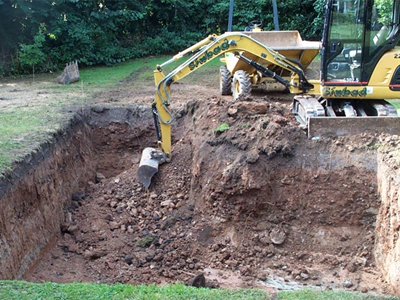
(360, 67)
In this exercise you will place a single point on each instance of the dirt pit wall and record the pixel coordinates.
(387, 248)
(35, 196)
(251, 203)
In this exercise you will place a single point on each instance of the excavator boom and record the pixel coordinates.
(205, 51)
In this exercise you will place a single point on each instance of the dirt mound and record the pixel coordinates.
(247, 200)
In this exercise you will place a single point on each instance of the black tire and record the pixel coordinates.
(225, 81)
(241, 85)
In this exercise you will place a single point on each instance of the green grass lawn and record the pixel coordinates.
(310, 294)
(104, 77)
(21, 290)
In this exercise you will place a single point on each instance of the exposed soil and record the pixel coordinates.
(256, 205)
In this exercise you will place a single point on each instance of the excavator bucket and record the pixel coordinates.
(149, 162)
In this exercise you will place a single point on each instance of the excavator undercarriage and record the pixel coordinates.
(324, 117)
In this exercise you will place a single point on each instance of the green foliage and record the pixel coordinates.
(302, 17)
(48, 34)
(167, 42)
(221, 128)
(318, 22)
(145, 242)
(32, 54)
(385, 10)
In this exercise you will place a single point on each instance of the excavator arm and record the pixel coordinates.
(206, 50)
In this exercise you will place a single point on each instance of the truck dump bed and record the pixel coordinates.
(288, 43)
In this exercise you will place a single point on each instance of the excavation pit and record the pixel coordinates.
(251, 204)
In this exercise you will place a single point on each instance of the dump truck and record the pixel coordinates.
(359, 72)
(238, 77)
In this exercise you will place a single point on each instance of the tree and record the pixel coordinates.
(32, 54)
(385, 10)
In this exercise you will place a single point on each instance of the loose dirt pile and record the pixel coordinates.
(247, 200)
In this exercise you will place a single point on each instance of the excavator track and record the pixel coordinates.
(321, 117)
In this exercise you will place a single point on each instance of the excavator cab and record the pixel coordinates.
(357, 34)
(360, 71)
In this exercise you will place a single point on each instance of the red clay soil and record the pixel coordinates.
(254, 205)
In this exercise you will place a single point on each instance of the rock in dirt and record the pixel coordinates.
(198, 281)
(304, 276)
(278, 236)
(348, 284)
(263, 276)
(99, 177)
(94, 254)
(128, 259)
(113, 225)
(168, 222)
(70, 73)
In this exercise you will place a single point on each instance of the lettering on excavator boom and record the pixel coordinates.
(209, 55)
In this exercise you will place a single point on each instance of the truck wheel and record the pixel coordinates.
(241, 84)
(225, 81)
